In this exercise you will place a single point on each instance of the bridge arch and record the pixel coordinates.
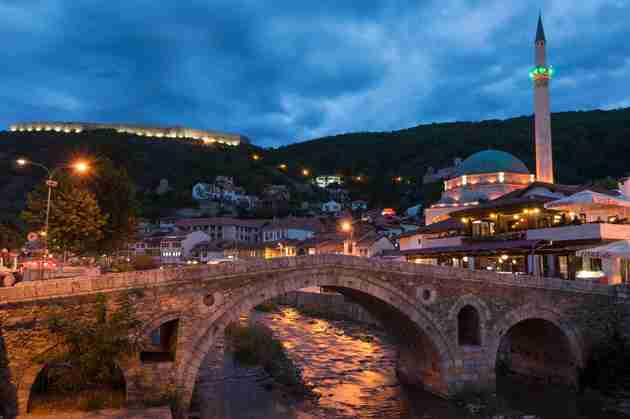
(158, 321)
(210, 330)
(545, 330)
(30, 375)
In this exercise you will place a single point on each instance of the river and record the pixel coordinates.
(351, 367)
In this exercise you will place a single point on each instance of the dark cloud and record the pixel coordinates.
(284, 71)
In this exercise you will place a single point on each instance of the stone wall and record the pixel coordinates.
(206, 137)
(335, 304)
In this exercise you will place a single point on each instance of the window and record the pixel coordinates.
(563, 263)
(163, 343)
(625, 271)
(596, 264)
(468, 327)
(482, 228)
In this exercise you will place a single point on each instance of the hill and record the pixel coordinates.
(586, 146)
(181, 162)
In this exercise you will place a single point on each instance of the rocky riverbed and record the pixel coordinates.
(350, 369)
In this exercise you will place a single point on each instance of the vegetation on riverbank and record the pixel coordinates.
(254, 344)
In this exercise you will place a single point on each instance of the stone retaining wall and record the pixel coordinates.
(335, 304)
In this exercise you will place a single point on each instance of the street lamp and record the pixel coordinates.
(348, 227)
(79, 166)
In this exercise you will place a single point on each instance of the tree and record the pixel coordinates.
(76, 222)
(116, 196)
(10, 236)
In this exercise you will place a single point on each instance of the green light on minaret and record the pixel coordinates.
(541, 72)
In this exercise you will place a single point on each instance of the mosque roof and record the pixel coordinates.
(491, 161)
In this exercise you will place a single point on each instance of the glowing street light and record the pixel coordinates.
(347, 227)
(282, 166)
(79, 166)
(306, 172)
(255, 157)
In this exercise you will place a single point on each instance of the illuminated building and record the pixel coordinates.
(176, 132)
(324, 181)
(484, 176)
(490, 174)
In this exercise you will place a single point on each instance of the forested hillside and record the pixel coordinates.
(587, 146)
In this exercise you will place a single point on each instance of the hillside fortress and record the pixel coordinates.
(175, 132)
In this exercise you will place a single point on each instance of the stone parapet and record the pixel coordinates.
(37, 290)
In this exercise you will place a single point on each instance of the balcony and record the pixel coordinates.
(589, 231)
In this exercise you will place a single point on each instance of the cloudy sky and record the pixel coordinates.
(284, 71)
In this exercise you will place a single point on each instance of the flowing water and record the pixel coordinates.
(351, 367)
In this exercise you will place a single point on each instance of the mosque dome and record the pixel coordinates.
(491, 161)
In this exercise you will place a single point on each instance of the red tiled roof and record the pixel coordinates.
(223, 221)
(299, 223)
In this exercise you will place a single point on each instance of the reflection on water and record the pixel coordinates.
(352, 369)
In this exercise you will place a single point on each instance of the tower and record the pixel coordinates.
(541, 75)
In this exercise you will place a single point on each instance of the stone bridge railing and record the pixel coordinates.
(145, 279)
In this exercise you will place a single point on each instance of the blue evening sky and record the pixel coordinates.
(284, 71)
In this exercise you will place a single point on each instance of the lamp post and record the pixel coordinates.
(79, 166)
(348, 227)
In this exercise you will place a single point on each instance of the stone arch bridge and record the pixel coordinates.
(468, 321)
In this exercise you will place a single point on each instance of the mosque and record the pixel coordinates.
(490, 174)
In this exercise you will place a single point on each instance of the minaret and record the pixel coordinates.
(541, 75)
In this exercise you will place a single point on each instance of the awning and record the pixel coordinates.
(618, 249)
(588, 200)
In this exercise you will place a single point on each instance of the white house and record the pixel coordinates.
(324, 181)
(369, 245)
(176, 248)
(331, 207)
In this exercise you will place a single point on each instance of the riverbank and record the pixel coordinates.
(148, 413)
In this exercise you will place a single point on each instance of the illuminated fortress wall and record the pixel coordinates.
(207, 137)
